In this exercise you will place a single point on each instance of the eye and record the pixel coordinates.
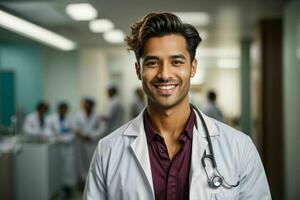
(177, 62)
(151, 63)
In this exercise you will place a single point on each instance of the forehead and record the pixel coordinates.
(166, 45)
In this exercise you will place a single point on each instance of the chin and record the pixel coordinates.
(166, 105)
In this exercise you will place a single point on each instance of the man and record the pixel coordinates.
(60, 126)
(165, 153)
(115, 112)
(88, 129)
(35, 123)
(210, 108)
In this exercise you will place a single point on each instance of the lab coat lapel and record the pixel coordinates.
(140, 148)
(198, 148)
(197, 176)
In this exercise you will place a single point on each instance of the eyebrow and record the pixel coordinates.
(178, 56)
(150, 58)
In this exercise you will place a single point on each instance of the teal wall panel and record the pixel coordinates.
(7, 94)
(26, 61)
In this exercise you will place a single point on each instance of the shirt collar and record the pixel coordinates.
(188, 129)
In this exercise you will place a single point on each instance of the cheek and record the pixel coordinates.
(147, 75)
(184, 74)
(146, 80)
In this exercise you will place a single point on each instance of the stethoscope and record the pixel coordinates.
(216, 180)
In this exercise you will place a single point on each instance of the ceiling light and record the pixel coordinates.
(81, 11)
(194, 18)
(101, 25)
(228, 63)
(114, 36)
(35, 32)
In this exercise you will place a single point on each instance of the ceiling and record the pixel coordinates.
(231, 20)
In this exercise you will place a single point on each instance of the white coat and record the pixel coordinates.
(121, 166)
(32, 126)
(63, 131)
(91, 126)
(54, 126)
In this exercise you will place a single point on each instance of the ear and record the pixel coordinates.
(194, 67)
(138, 70)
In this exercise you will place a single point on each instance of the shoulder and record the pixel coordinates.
(237, 142)
(31, 116)
(120, 140)
(114, 139)
(230, 132)
(233, 136)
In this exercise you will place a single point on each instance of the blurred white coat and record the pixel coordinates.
(33, 128)
(91, 127)
(62, 130)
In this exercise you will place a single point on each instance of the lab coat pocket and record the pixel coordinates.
(226, 194)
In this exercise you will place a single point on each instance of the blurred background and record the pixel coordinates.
(73, 52)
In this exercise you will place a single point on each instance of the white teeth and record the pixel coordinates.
(166, 87)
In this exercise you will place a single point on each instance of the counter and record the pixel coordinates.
(37, 171)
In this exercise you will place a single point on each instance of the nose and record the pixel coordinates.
(164, 71)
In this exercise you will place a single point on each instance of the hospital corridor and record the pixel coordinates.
(73, 72)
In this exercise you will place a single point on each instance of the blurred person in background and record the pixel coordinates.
(138, 104)
(60, 126)
(210, 108)
(35, 123)
(114, 116)
(88, 128)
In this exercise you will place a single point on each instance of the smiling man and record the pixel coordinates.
(171, 150)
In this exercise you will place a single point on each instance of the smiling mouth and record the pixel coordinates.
(165, 89)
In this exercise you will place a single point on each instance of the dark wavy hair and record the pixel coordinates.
(158, 25)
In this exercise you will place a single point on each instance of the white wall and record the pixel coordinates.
(121, 67)
(101, 67)
(60, 76)
(226, 83)
(93, 75)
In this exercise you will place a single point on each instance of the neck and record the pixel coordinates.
(88, 113)
(41, 115)
(62, 117)
(169, 122)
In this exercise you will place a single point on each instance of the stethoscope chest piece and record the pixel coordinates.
(215, 182)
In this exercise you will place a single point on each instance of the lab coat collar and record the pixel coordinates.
(136, 127)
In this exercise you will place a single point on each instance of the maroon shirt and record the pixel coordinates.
(170, 177)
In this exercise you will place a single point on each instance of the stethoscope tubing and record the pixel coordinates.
(211, 157)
